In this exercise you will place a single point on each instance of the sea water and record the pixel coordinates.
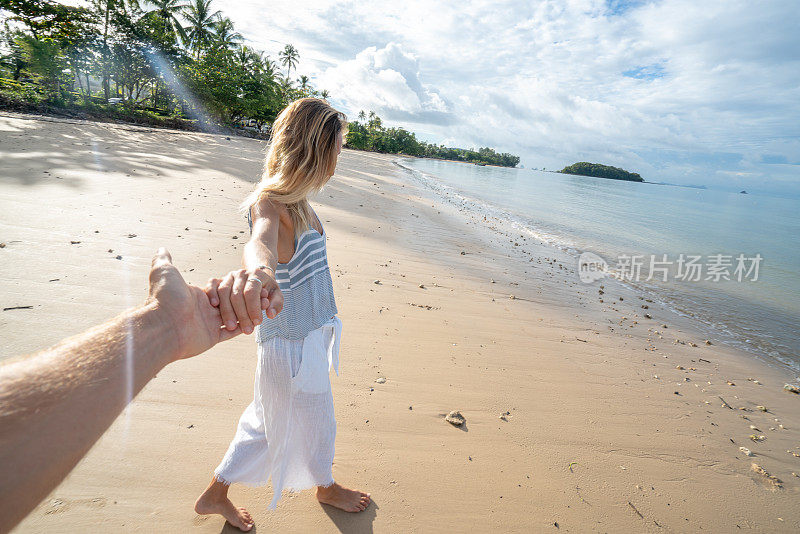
(742, 247)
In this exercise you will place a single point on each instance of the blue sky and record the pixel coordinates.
(679, 91)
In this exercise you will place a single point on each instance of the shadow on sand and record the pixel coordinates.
(358, 523)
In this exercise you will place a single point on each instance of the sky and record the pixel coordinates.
(680, 91)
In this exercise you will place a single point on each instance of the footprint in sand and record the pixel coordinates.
(57, 506)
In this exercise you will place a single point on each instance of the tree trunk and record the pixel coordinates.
(106, 82)
(77, 76)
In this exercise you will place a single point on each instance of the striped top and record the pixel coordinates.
(307, 288)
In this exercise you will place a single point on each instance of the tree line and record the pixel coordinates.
(165, 57)
(163, 61)
(368, 133)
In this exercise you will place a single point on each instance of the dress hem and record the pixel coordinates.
(291, 489)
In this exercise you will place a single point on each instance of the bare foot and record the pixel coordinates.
(343, 498)
(238, 517)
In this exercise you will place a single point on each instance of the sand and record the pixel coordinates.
(600, 429)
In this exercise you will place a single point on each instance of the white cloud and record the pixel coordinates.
(674, 89)
(386, 81)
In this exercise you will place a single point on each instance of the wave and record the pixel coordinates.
(751, 339)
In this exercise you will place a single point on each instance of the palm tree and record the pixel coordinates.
(168, 10)
(248, 58)
(373, 126)
(287, 91)
(303, 83)
(268, 66)
(289, 57)
(225, 35)
(362, 116)
(201, 23)
(325, 94)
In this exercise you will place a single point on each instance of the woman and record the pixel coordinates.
(287, 433)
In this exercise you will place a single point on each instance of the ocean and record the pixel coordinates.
(729, 260)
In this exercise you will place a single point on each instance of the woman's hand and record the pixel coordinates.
(242, 295)
(195, 323)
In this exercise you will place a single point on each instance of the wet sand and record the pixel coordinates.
(610, 421)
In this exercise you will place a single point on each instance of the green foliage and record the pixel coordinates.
(289, 57)
(45, 60)
(202, 22)
(167, 59)
(168, 11)
(224, 34)
(368, 133)
(584, 168)
(49, 19)
(25, 98)
(160, 57)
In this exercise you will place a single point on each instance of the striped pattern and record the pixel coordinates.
(307, 288)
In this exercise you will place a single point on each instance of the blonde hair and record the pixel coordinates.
(300, 159)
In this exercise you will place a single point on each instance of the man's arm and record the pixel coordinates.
(56, 404)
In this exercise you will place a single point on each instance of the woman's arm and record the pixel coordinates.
(242, 294)
(262, 249)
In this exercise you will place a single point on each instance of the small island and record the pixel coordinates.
(584, 168)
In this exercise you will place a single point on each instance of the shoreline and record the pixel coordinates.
(594, 436)
(677, 303)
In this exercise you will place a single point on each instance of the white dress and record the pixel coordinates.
(287, 433)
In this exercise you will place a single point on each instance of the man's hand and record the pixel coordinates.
(197, 324)
(54, 405)
(242, 295)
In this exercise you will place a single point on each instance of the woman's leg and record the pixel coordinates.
(243, 462)
(315, 406)
(334, 493)
(343, 498)
(246, 457)
(215, 501)
(247, 446)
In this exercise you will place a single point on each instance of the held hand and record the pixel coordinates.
(242, 295)
(197, 324)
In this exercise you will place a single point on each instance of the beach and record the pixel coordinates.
(656, 228)
(581, 413)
